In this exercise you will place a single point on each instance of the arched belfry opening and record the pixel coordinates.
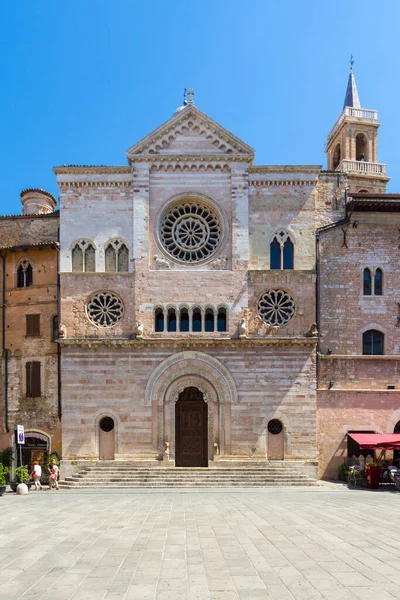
(336, 157)
(361, 147)
(191, 429)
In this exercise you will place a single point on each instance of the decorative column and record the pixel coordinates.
(240, 215)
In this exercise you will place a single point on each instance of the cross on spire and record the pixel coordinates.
(351, 62)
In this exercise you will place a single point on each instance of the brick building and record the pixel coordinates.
(214, 311)
(29, 390)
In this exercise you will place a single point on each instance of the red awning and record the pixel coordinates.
(369, 441)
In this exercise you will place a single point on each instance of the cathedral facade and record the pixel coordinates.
(212, 311)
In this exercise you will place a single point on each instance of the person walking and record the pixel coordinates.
(53, 478)
(36, 475)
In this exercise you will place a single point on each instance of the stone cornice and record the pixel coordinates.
(90, 170)
(187, 158)
(182, 342)
(282, 182)
(366, 357)
(95, 183)
(285, 169)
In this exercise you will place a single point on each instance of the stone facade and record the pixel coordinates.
(194, 268)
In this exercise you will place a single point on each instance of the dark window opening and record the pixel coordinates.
(24, 275)
(209, 321)
(33, 388)
(184, 317)
(54, 328)
(373, 342)
(171, 320)
(336, 157)
(361, 147)
(378, 282)
(275, 427)
(196, 320)
(159, 318)
(367, 283)
(221, 320)
(288, 249)
(275, 255)
(107, 424)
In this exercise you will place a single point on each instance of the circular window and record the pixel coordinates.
(276, 307)
(105, 309)
(107, 424)
(190, 232)
(275, 427)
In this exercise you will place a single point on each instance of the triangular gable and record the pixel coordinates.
(189, 132)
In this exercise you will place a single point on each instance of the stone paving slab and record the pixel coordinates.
(323, 543)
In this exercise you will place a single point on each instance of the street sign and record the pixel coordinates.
(20, 434)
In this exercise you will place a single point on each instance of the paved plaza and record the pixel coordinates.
(318, 543)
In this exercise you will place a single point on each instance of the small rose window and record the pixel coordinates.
(105, 309)
(276, 307)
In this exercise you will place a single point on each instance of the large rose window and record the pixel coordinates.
(276, 307)
(190, 231)
(104, 309)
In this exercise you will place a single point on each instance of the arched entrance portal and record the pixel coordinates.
(106, 439)
(191, 429)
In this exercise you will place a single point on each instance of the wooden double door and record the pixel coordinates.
(191, 429)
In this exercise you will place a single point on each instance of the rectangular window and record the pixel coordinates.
(33, 387)
(32, 325)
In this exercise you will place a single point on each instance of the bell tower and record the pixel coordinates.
(352, 146)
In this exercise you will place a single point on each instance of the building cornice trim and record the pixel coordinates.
(282, 182)
(90, 170)
(179, 342)
(285, 169)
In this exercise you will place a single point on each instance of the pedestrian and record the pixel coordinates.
(53, 477)
(36, 475)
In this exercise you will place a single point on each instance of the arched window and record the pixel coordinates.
(83, 257)
(209, 320)
(24, 274)
(336, 157)
(367, 282)
(184, 320)
(373, 342)
(159, 320)
(116, 257)
(221, 319)
(378, 282)
(281, 251)
(171, 320)
(196, 320)
(361, 147)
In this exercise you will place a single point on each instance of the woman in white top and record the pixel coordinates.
(37, 473)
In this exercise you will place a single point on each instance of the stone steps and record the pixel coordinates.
(117, 475)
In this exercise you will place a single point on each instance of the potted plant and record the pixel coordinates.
(6, 457)
(373, 470)
(3, 473)
(343, 473)
(21, 475)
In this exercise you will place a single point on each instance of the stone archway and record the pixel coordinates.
(211, 378)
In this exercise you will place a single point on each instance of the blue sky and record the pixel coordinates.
(81, 81)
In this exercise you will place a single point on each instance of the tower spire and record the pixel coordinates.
(351, 98)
